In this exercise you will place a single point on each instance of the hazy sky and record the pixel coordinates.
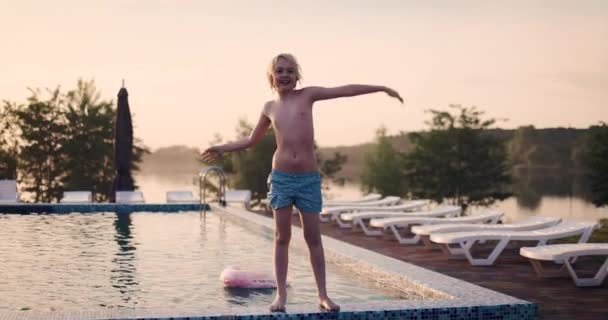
(193, 68)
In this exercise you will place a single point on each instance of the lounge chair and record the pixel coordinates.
(178, 196)
(359, 218)
(386, 201)
(396, 225)
(130, 197)
(532, 223)
(77, 197)
(466, 240)
(346, 202)
(566, 254)
(239, 196)
(8, 191)
(388, 204)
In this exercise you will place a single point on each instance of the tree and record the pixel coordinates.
(89, 142)
(65, 142)
(8, 143)
(329, 168)
(41, 129)
(520, 145)
(383, 168)
(596, 161)
(252, 166)
(456, 160)
(249, 168)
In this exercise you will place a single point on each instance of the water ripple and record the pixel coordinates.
(147, 260)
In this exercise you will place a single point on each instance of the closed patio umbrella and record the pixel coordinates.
(123, 145)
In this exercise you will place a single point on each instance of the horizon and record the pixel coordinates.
(152, 150)
(199, 67)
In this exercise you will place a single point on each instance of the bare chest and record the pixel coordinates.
(285, 117)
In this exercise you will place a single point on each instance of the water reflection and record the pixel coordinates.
(530, 188)
(243, 296)
(203, 226)
(551, 193)
(145, 261)
(123, 273)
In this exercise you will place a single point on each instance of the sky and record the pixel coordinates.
(194, 68)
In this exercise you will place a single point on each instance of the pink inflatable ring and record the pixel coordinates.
(234, 277)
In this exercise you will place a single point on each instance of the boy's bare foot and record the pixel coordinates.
(278, 305)
(328, 305)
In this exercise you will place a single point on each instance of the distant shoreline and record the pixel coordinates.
(536, 152)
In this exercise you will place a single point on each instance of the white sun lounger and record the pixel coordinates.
(466, 240)
(239, 196)
(359, 218)
(372, 197)
(533, 223)
(333, 213)
(400, 223)
(346, 202)
(177, 196)
(386, 201)
(566, 254)
(8, 192)
(130, 197)
(77, 197)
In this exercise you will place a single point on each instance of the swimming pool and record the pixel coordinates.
(147, 265)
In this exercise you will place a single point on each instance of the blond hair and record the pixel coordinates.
(273, 63)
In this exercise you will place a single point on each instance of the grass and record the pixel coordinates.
(599, 235)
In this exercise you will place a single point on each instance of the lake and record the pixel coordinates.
(563, 196)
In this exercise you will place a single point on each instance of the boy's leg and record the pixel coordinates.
(282, 235)
(312, 234)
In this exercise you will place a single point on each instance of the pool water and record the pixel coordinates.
(150, 260)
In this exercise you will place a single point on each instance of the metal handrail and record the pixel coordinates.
(202, 191)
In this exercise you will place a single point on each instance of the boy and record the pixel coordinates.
(294, 179)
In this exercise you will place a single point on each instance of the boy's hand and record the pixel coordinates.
(393, 93)
(211, 154)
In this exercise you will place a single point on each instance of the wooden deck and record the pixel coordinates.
(557, 298)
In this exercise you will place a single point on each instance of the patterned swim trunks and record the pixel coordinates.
(300, 189)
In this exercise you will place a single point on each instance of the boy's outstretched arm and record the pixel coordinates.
(254, 138)
(322, 93)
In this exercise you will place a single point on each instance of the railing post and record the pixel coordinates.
(222, 188)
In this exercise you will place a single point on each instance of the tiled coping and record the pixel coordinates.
(448, 298)
(44, 208)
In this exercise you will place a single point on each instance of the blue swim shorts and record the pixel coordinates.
(300, 189)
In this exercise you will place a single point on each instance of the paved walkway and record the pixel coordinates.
(512, 275)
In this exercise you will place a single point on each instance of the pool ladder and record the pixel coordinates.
(202, 190)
